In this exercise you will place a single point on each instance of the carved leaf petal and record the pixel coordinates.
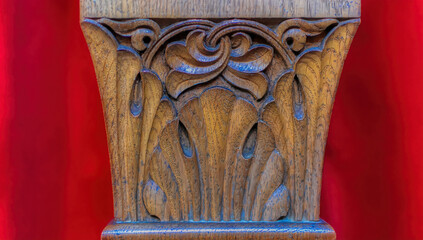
(171, 150)
(194, 64)
(165, 112)
(308, 70)
(192, 172)
(217, 105)
(277, 206)
(255, 60)
(179, 58)
(270, 179)
(241, 42)
(243, 117)
(162, 174)
(177, 82)
(103, 46)
(240, 177)
(197, 49)
(129, 129)
(264, 147)
(280, 115)
(154, 199)
(332, 59)
(191, 115)
(152, 93)
(255, 83)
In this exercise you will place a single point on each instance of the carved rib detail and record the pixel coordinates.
(152, 93)
(225, 123)
(103, 49)
(128, 129)
(243, 117)
(217, 121)
(332, 61)
(191, 115)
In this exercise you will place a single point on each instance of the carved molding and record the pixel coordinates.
(218, 121)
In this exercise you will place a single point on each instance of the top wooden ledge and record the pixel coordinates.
(125, 9)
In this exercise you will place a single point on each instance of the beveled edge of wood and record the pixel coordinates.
(173, 9)
(219, 230)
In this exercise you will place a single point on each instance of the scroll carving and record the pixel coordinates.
(217, 121)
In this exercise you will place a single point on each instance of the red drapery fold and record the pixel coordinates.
(54, 173)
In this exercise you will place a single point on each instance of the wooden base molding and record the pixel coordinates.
(282, 230)
(217, 127)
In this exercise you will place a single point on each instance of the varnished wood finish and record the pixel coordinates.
(220, 230)
(217, 124)
(220, 8)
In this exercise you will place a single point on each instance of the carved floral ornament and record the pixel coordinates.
(217, 121)
(225, 49)
(239, 62)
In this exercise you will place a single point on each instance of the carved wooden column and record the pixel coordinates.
(217, 113)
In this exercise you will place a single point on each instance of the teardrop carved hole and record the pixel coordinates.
(136, 97)
(298, 99)
(184, 140)
(250, 143)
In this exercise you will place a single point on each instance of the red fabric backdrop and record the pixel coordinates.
(54, 172)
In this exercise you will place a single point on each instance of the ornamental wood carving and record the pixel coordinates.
(217, 121)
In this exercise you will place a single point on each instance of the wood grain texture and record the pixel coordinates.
(104, 56)
(220, 121)
(128, 129)
(220, 9)
(224, 231)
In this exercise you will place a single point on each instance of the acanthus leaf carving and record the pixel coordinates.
(204, 124)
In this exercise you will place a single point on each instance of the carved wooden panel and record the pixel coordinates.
(217, 121)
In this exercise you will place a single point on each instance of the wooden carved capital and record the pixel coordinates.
(217, 120)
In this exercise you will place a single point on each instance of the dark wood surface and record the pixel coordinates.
(219, 230)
